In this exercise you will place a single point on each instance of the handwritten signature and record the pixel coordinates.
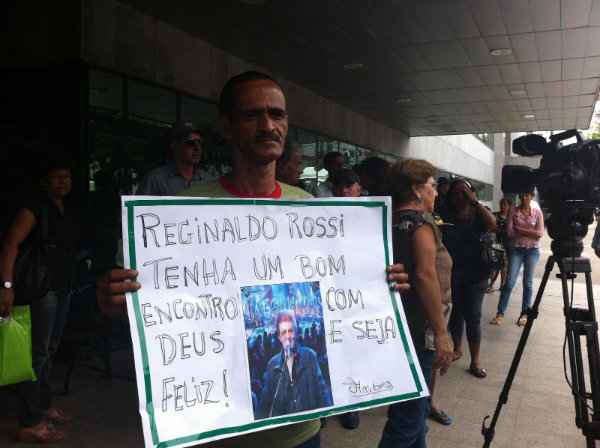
(358, 389)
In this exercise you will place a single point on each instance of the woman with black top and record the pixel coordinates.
(418, 245)
(48, 313)
(470, 220)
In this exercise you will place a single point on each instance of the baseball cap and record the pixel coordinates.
(181, 130)
(344, 178)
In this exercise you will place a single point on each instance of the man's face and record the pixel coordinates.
(188, 151)
(58, 182)
(259, 123)
(289, 172)
(286, 335)
(348, 191)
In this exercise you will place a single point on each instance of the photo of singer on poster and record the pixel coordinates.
(287, 355)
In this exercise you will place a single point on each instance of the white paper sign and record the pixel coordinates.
(260, 313)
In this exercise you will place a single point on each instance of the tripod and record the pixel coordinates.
(580, 323)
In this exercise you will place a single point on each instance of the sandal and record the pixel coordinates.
(456, 356)
(57, 416)
(477, 372)
(440, 416)
(41, 433)
(497, 320)
(522, 320)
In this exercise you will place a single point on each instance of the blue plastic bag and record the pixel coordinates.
(15, 347)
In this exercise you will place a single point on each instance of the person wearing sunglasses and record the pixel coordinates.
(181, 172)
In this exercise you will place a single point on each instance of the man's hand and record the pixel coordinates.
(444, 349)
(111, 288)
(7, 298)
(398, 278)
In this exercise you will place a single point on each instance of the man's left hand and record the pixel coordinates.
(397, 277)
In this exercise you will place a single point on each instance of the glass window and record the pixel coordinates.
(325, 145)
(151, 103)
(105, 91)
(201, 113)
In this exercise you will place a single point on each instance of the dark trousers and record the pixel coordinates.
(406, 426)
(48, 319)
(466, 310)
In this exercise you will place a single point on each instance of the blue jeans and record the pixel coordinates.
(407, 421)
(517, 257)
(48, 319)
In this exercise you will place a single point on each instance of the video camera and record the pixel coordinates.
(568, 182)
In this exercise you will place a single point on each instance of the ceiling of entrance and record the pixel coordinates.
(425, 67)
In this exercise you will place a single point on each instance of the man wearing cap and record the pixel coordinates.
(185, 151)
(346, 184)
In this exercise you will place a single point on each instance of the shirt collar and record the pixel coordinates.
(232, 189)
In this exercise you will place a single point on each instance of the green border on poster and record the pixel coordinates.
(130, 205)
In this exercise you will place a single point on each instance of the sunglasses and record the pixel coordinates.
(193, 142)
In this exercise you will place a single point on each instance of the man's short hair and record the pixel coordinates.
(374, 166)
(344, 178)
(285, 316)
(330, 157)
(228, 94)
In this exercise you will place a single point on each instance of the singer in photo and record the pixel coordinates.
(292, 381)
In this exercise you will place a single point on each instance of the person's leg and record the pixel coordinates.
(473, 303)
(515, 260)
(456, 322)
(42, 322)
(530, 260)
(436, 413)
(63, 304)
(34, 428)
(406, 425)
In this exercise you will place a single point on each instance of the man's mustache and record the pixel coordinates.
(267, 136)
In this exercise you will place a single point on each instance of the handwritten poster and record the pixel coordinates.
(261, 313)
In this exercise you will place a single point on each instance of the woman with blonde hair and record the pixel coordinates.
(418, 245)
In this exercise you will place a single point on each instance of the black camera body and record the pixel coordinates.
(568, 182)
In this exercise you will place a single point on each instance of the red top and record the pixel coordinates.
(225, 183)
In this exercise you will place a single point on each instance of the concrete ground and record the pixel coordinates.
(539, 412)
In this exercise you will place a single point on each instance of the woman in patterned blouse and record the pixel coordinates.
(524, 227)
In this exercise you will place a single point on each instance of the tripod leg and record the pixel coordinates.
(488, 432)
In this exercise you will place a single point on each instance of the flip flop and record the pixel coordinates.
(441, 417)
(456, 356)
(477, 372)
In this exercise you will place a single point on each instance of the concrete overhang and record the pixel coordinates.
(424, 67)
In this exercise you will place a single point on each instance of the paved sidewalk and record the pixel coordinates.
(539, 412)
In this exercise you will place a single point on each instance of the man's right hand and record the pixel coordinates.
(444, 348)
(7, 298)
(111, 288)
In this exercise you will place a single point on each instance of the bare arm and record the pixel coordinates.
(16, 234)
(428, 288)
(489, 220)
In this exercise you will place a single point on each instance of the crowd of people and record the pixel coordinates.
(437, 224)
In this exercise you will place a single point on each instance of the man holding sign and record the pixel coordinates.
(253, 107)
